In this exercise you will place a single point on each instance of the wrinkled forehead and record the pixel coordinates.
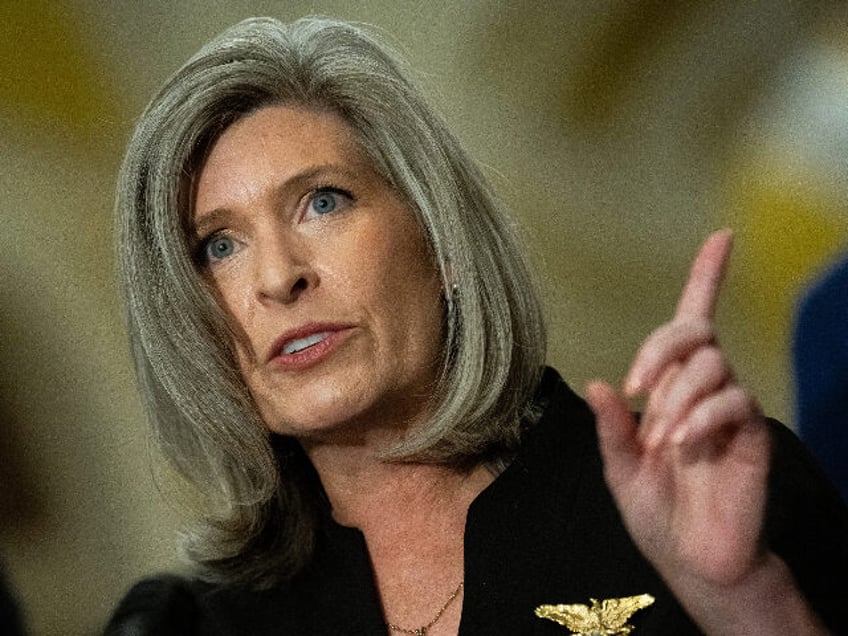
(349, 135)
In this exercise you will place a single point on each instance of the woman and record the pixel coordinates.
(341, 347)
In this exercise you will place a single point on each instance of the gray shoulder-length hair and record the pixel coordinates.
(262, 498)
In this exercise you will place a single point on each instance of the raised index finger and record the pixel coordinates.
(700, 295)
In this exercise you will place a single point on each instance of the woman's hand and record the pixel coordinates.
(690, 478)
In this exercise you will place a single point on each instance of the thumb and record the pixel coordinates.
(616, 427)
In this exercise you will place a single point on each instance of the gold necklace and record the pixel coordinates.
(422, 631)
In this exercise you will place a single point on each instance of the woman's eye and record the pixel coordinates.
(324, 202)
(219, 248)
(327, 200)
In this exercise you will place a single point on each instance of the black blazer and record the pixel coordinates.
(546, 531)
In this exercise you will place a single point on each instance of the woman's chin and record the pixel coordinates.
(332, 427)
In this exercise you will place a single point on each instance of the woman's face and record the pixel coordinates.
(323, 270)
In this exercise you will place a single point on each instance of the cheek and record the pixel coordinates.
(404, 272)
(245, 359)
(413, 297)
(389, 273)
(232, 293)
(229, 284)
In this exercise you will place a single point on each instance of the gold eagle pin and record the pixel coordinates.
(605, 618)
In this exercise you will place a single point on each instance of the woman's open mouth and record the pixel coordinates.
(306, 346)
(300, 344)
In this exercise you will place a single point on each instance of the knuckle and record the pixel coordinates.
(739, 404)
(709, 357)
(701, 417)
(698, 328)
(738, 397)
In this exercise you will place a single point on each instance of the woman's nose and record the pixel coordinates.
(284, 270)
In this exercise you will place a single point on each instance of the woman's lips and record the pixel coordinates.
(306, 346)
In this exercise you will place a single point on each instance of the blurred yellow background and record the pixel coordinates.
(620, 131)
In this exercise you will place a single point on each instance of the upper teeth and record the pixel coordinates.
(301, 343)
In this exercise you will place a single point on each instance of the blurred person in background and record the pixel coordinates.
(820, 356)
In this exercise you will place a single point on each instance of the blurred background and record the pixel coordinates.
(620, 131)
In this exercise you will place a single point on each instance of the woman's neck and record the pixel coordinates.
(413, 519)
(362, 487)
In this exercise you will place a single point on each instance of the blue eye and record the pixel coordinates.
(219, 248)
(324, 202)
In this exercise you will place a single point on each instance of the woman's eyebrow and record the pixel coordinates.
(313, 173)
(202, 224)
